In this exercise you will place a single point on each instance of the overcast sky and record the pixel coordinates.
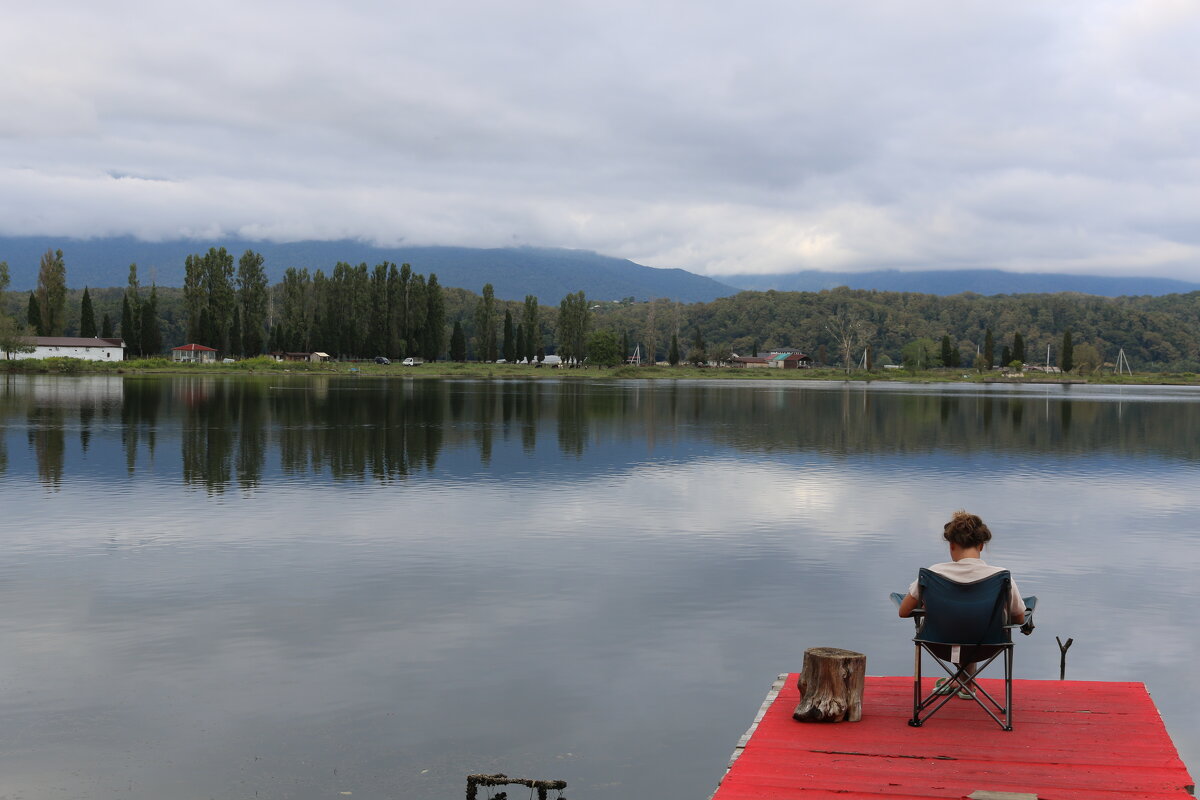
(718, 137)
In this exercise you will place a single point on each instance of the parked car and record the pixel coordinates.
(382, 360)
(412, 362)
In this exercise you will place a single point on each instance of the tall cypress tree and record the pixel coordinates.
(989, 349)
(1018, 347)
(673, 353)
(1066, 358)
(458, 343)
(33, 315)
(133, 343)
(947, 353)
(520, 341)
(87, 316)
(510, 341)
(106, 326)
(149, 331)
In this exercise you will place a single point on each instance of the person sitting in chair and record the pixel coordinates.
(967, 535)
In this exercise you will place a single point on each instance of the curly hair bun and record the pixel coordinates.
(966, 530)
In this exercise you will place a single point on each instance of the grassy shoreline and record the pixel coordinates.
(447, 369)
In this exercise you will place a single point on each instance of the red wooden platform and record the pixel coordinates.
(1073, 740)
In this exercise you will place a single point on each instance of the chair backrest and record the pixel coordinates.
(964, 613)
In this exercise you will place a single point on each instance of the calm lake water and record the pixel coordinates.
(277, 588)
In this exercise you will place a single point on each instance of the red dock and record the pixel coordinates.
(1072, 740)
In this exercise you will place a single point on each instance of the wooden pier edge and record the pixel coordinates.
(774, 691)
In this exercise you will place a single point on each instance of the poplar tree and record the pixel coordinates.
(673, 353)
(989, 349)
(573, 320)
(235, 333)
(520, 341)
(87, 316)
(52, 292)
(252, 300)
(435, 320)
(485, 325)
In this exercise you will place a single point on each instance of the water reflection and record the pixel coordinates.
(230, 432)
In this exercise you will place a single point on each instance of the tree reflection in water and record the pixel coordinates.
(241, 431)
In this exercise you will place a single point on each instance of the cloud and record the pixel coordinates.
(766, 137)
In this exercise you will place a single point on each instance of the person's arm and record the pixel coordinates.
(908, 605)
(1016, 605)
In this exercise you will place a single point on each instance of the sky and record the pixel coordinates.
(756, 137)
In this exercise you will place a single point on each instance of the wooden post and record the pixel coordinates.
(831, 685)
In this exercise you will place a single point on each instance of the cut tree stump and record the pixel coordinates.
(831, 685)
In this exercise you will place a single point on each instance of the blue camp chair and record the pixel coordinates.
(961, 624)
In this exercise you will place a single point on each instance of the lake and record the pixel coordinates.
(277, 587)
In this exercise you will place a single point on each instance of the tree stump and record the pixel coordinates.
(831, 685)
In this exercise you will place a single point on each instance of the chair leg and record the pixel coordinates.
(1008, 670)
(916, 717)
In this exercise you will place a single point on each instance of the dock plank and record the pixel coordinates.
(1072, 740)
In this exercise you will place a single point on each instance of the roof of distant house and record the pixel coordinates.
(75, 341)
(195, 348)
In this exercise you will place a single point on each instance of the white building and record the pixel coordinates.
(72, 347)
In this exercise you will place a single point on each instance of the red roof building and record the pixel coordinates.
(194, 353)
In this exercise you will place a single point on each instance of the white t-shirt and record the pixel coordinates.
(966, 570)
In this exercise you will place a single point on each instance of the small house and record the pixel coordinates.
(87, 349)
(790, 361)
(750, 361)
(194, 354)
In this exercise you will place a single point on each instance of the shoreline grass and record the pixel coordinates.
(478, 370)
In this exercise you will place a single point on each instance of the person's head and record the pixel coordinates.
(966, 531)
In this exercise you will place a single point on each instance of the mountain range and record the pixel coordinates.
(949, 282)
(548, 273)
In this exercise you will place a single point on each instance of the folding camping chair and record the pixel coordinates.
(962, 624)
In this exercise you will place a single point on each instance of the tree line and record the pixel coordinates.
(391, 310)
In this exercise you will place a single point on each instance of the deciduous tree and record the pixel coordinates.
(14, 338)
(604, 349)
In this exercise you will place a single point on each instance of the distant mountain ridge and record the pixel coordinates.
(514, 272)
(949, 282)
(549, 273)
